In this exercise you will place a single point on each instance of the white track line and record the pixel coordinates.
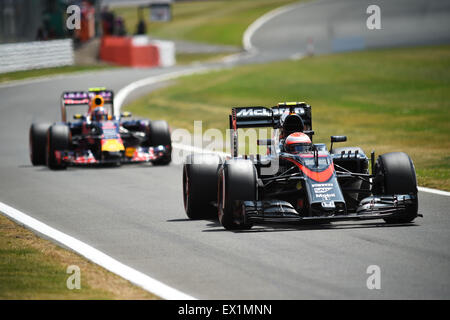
(124, 92)
(96, 256)
(435, 191)
(246, 39)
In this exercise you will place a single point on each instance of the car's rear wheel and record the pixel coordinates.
(200, 185)
(394, 175)
(159, 134)
(37, 141)
(58, 139)
(237, 183)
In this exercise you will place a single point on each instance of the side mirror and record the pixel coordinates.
(78, 116)
(337, 139)
(125, 114)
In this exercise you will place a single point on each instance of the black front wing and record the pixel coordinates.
(375, 207)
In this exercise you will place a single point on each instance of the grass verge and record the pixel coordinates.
(215, 22)
(20, 75)
(33, 268)
(387, 100)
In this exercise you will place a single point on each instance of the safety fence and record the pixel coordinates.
(36, 55)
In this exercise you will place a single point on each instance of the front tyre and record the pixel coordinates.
(58, 139)
(37, 141)
(159, 134)
(237, 183)
(200, 185)
(395, 174)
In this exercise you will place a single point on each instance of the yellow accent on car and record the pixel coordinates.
(290, 103)
(97, 89)
(112, 145)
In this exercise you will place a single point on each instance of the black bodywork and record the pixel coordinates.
(319, 185)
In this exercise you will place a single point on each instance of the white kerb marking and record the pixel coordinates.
(96, 256)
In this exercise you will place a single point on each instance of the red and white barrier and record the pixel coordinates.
(137, 51)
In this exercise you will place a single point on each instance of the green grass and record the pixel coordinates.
(215, 22)
(20, 75)
(33, 268)
(387, 100)
(25, 274)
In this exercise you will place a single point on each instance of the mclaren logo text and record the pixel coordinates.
(264, 112)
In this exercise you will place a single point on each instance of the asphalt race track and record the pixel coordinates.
(337, 26)
(135, 213)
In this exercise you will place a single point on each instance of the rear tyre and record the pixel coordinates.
(237, 183)
(395, 174)
(37, 141)
(58, 139)
(200, 185)
(159, 134)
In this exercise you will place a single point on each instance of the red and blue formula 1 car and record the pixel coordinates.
(298, 180)
(98, 136)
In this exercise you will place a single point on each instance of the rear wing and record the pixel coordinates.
(80, 98)
(259, 117)
(70, 98)
(107, 95)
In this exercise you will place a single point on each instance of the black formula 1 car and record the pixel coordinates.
(99, 136)
(297, 181)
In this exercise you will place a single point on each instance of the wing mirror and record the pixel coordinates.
(337, 139)
(125, 114)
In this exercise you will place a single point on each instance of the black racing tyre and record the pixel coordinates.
(58, 138)
(37, 143)
(237, 183)
(395, 174)
(200, 185)
(159, 134)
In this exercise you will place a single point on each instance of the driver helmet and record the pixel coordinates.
(99, 114)
(297, 142)
(97, 101)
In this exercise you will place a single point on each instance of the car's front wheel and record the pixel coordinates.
(395, 175)
(37, 140)
(159, 134)
(58, 139)
(200, 185)
(237, 183)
